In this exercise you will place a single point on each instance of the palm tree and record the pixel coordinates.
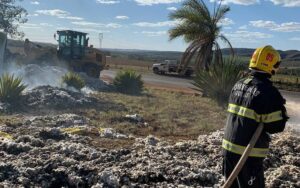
(201, 30)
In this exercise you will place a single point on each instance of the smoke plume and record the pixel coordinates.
(34, 75)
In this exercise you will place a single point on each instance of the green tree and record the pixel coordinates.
(201, 29)
(11, 15)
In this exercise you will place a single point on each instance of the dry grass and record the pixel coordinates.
(286, 78)
(128, 62)
(287, 82)
(123, 63)
(169, 114)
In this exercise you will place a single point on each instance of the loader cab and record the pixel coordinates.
(71, 44)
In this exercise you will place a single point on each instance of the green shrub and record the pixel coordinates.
(72, 79)
(128, 82)
(11, 88)
(219, 80)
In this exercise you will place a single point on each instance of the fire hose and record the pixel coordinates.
(244, 157)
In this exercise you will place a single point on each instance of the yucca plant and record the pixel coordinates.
(74, 80)
(11, 88)
(219, 80)
(128, 82)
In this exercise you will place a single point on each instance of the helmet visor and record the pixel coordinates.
(276, 66)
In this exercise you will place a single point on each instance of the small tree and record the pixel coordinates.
(128, 82)
(11, 16)
(72, 79)
(11, 88)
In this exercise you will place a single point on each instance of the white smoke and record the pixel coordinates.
(34, 75)
(87, 90)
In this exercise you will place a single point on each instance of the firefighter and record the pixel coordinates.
(27, 47)
(252, 101)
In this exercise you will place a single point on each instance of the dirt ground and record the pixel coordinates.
(164, 137)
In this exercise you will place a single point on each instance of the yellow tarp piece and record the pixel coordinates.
(80, 130)
(101, 130)
(5, 135)
(73, 130)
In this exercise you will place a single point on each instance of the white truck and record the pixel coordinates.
(171, 66)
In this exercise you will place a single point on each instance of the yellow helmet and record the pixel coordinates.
(265, 59)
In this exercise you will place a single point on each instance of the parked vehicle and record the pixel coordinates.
(171, 66)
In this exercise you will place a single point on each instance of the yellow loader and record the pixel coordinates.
(72, 51)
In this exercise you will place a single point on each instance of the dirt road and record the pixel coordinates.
(293, 108)
(183, 84)
(165, 80)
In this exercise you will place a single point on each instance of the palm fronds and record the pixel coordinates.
(201, 29)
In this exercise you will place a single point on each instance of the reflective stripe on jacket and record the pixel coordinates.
(253, 100)
(248, 113)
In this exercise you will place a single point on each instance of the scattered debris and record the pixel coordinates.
(63, 120)
(56, 151)
(94, 84)
(4, 107)
(11, 147)
(135, 118)
(149, 141)
(51, 99)
(284, 176)
(111, 133)
(54, 98)
(51, 133)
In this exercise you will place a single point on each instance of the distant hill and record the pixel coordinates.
(244, 52)
(290, 58)
(145, 55)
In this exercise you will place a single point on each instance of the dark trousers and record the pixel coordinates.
(251, 175)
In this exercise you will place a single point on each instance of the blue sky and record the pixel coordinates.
(143, 24)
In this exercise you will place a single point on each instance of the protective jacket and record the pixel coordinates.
(252, 101)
